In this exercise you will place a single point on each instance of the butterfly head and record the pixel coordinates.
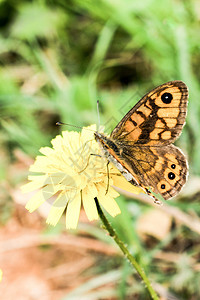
(106, 144)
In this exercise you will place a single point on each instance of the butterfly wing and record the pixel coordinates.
(145, 135)
(163, 169)
(157, 119)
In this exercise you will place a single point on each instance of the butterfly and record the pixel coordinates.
(140, 146)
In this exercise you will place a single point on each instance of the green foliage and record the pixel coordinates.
(26, 26)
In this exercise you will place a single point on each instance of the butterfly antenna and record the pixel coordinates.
(61, 123)
(98, 115)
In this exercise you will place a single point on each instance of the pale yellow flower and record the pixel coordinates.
(71, 175)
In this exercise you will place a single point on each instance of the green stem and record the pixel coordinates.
(124, 249)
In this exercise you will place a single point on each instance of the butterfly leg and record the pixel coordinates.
(89, 160)
(107, 172)
(106, 167)
(151, 195)
(98, 155)
(108, 177)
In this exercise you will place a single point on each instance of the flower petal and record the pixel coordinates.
(57, 209)
(38, 182)
(35, 201)
(41, 196)
(107, 201)
(110, 205)
(122, 183)
(73, 212)
(71, 142)
(46, 151)
(57, 142)
(87, 134)
(40, 165)
(61, 178)
(88, 195)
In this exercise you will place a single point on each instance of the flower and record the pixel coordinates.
(1, 275)
(74, 172)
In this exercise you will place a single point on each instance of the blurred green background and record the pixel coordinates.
(56, 59)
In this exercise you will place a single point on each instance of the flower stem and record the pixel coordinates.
(124, 249)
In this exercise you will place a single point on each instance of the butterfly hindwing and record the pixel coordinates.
(163, 169)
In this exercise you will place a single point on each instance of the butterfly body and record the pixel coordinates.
(140, 146)
(114, 154)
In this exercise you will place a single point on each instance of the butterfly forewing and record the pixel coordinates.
(157, 119)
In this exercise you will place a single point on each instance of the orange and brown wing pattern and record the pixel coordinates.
(157, 119)
(163, 169)
(141, 144)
